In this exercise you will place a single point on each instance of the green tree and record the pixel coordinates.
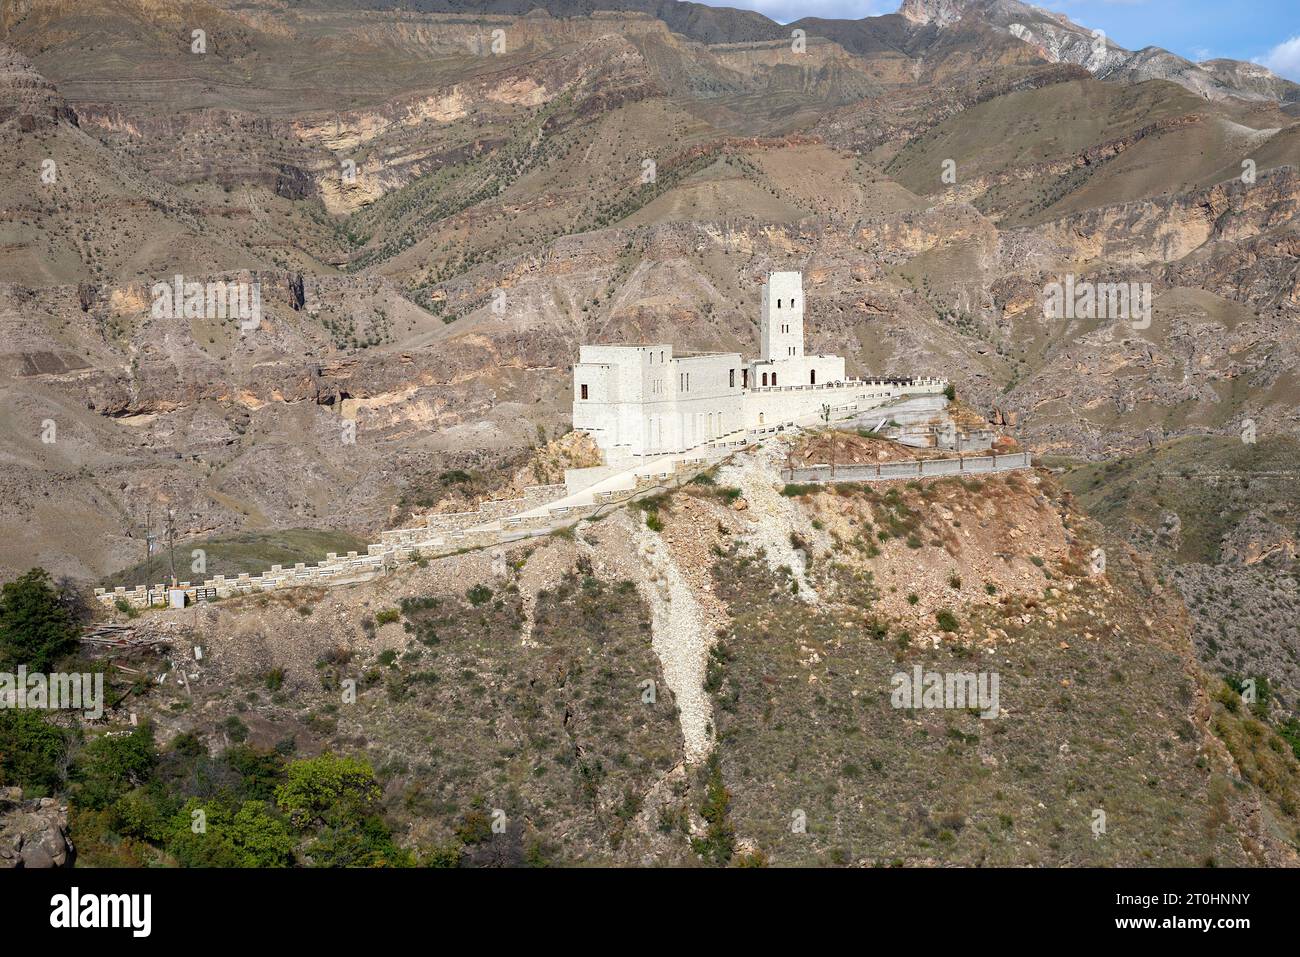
(357, 842)
(263, 838)
(211, 834)
(327, 786)
(36, 627)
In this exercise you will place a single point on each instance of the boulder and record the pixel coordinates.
(33, 833)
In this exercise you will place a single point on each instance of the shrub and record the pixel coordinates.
(443, 855)
(946, 619)
(235, 729)
(478, 595)
(719, 840)
(475, 827)
(110, 766)
(31, 751)
(387, 616)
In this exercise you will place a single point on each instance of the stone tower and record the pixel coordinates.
(781, 322)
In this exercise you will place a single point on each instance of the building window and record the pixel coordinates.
(584, 391)
(778, 304)
(744, 378)
(773, 378)
(812, 377)
(732, 380)
(764, 378)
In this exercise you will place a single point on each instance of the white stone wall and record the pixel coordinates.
(710, 401)
(644, 399)
(784, 405)
(402, 545)
(803, 370)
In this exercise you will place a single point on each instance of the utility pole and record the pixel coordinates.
(171, 542)
(148, 544)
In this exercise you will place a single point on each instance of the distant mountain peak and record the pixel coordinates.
(1058, 39)
(941, 13)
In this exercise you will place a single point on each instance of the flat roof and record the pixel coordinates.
(630, 345)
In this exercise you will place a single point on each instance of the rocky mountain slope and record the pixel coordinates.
(435, 226)
(1059, 40)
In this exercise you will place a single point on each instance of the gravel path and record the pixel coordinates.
(773, 516)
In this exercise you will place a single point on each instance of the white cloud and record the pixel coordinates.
(1284, 59)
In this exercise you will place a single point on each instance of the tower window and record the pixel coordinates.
(812, 377)
(584, 390)
(732, 379)
(778, 304)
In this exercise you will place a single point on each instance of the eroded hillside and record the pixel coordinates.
(709, 677)
(440, 204)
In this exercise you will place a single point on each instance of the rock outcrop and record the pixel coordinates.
(33, 833)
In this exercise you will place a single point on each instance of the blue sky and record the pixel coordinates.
(1266, 31)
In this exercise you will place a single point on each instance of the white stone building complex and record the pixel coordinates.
(644, 400)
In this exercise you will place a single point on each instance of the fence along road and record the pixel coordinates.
(909, 469)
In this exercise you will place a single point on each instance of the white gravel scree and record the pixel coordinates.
(680, 638)
(758, 476)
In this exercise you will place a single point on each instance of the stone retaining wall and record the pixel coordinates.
(534, 495)
(402, 545)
